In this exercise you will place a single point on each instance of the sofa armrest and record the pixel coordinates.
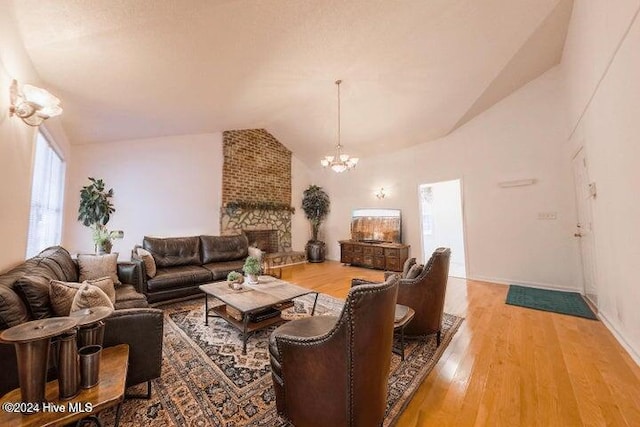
(142, 330)
(141, 285)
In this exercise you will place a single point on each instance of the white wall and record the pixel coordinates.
(300, 180)
(520, 137)
(17, 141)
(167, 186)
(610, 132)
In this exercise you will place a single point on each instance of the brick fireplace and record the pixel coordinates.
(257, 172)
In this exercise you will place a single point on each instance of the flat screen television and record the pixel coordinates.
(376, 225)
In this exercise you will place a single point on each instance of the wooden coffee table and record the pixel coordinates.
(109, 392)
(251, 300)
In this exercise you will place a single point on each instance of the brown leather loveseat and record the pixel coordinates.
(132, 323)
(184, 263)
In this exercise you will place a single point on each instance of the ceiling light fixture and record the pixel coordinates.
(381, 194)
(33, 105)
(339, 162)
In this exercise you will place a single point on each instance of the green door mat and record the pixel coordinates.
(570, 303)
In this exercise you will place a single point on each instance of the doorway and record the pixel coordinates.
(442, 222)
(585, 192)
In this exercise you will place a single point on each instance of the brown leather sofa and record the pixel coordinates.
(333, 371)
(425, 294)
(132, 323)
(184, 263)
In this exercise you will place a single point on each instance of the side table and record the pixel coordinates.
(54, 412)
(32, 341)
(403, 316)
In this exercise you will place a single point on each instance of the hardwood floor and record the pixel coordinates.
(510, 366)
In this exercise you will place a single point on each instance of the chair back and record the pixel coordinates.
(368, 316)
(426, 293)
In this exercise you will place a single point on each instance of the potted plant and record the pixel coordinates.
(95, 211)
(315, 204)
(251, 268)
(235, 280)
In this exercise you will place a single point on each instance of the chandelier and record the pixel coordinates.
(339, 162)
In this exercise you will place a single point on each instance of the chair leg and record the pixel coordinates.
(146, 396)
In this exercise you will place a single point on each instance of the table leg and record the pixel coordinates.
(32, 360)
(315, 302)
(118, 413)
(245, 323)
(206, 309)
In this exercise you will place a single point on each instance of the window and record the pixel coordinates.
(45, 217)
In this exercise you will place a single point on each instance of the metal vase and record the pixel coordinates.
(90, 365)
(32, 369)
(91, 334)
(68, 366)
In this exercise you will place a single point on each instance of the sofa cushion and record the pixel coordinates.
(34, 290)
(179, 277)
(60, 261)
(173, 251)
(98, 266)
(89, 296)
(221, 269)
(224, 248)
(12, 310)
(127, 297)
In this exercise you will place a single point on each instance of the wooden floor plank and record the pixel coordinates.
(509, 365)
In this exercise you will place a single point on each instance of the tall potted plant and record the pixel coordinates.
(315, 204)
(95, 211)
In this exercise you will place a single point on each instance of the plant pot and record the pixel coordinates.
(315, 251)
(252, 279)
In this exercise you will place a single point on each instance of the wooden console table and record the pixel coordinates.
(382, 256)
(90, 401)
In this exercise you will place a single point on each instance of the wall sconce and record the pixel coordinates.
(381, 194)
(33, 105)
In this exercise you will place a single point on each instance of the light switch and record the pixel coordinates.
(547, 215)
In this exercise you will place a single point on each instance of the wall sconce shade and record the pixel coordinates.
(33, 105)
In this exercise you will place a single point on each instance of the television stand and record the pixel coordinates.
(381, 255)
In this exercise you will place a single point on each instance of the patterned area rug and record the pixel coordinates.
(206, 381)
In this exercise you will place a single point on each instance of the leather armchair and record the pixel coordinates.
(333, 371)
(425, 294)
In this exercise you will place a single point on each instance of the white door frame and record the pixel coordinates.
(585, 193)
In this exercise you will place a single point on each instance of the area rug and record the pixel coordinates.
(206, 381)
(570, 303)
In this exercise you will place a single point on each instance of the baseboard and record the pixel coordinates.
(539, 285)
(618, 336)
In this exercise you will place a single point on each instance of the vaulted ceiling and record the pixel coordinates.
(412, 70)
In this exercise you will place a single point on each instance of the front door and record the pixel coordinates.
(585, 192)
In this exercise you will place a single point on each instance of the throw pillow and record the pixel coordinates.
(61, 295)
(89, 296)
(97, 266)
(12, 310)
(149, 262)
(35, 291)
(410, 262)
(106, 285)
(414, 271)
